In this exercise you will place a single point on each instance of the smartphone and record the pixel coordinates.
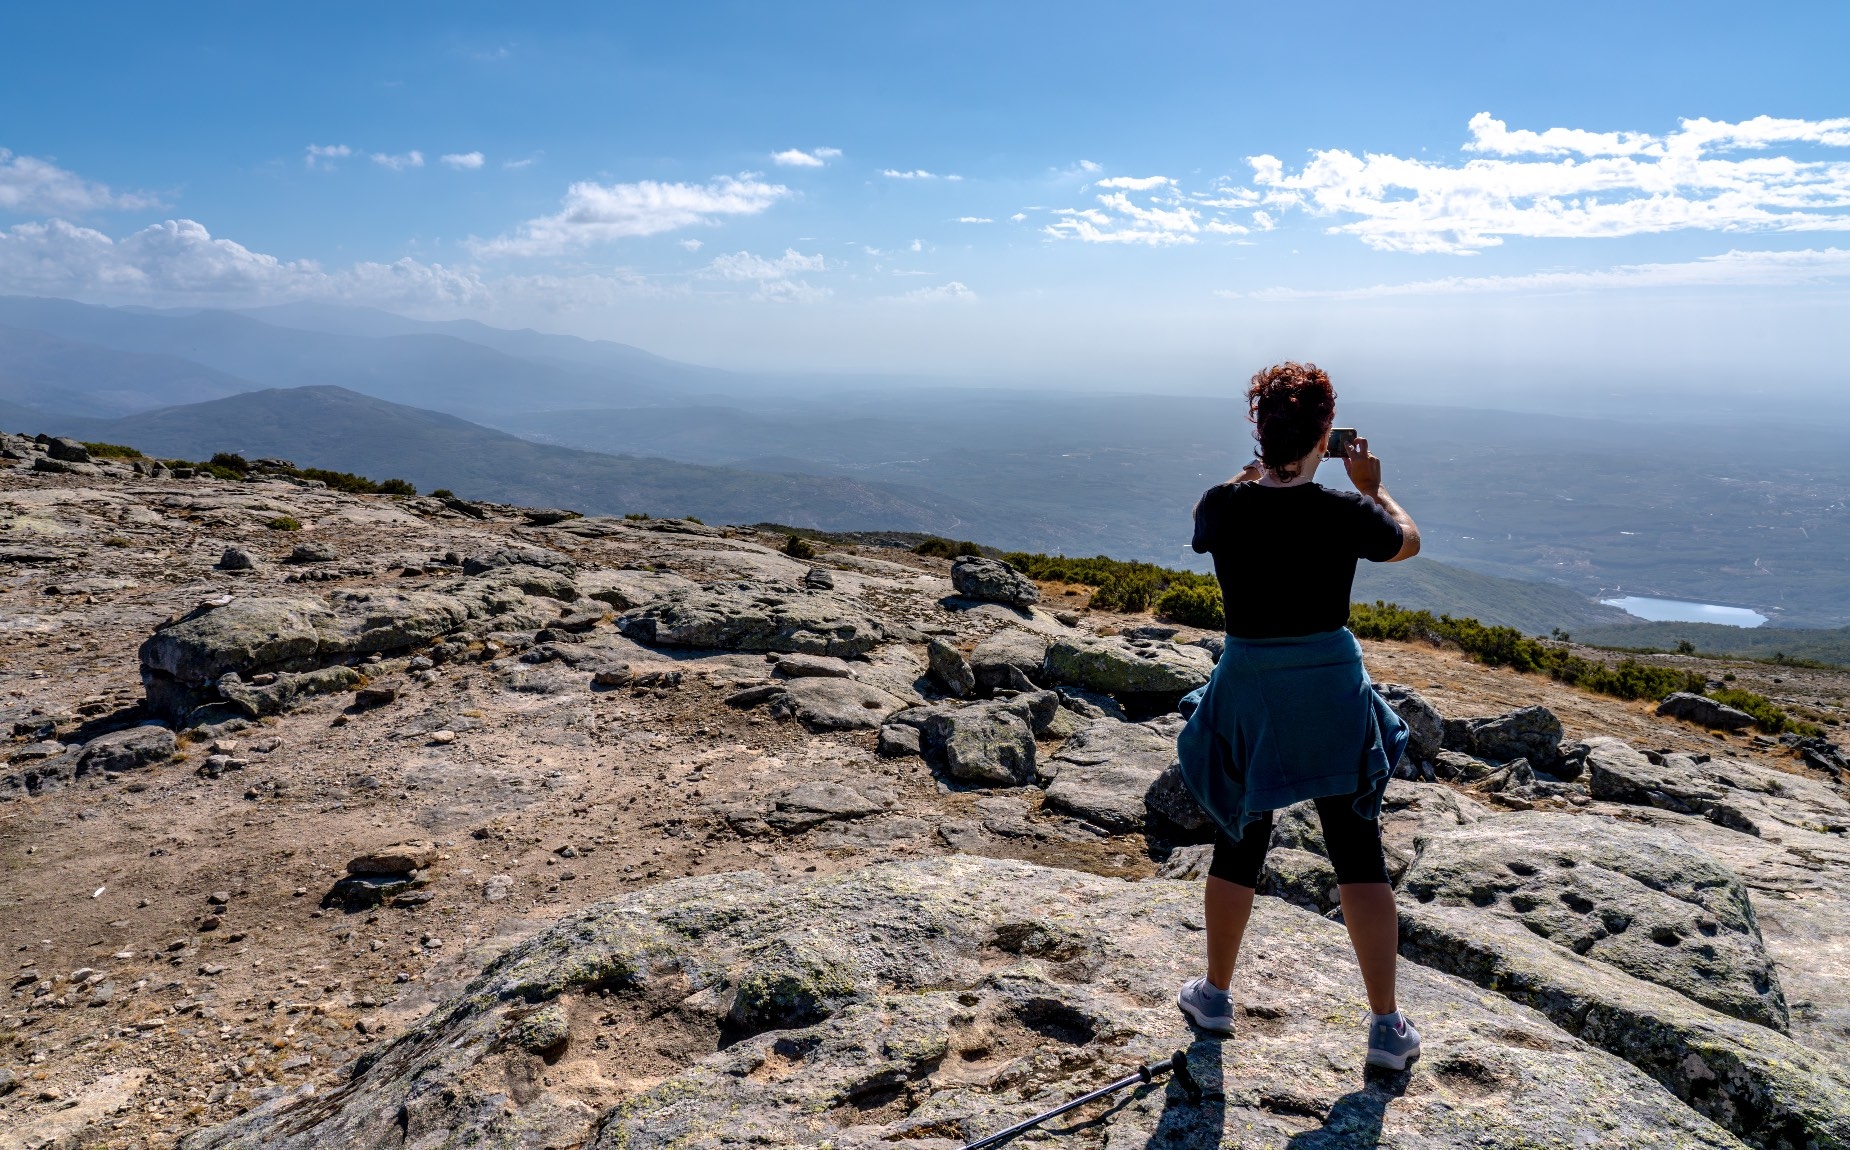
(1340, 439)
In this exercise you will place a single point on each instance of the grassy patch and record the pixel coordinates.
(111, 451)
(284, 523)
(798, 547)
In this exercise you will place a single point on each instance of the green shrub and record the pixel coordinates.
(1193, 606)
(1121, 586)
(230, 461)
(691, 519)
(284, 523)
(1767, 715)
(940, 548)
(1508, 647)
(396, 487)
(638, 515)
(111, 451)
(443, 493)
(798, 547)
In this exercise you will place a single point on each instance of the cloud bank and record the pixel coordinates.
(1568, 183)
(30, 186)
(595, 213)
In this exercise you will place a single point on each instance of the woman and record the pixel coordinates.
(1290, 714)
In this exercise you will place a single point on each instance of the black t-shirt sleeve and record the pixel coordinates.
(1210, 517)
(1375, 534)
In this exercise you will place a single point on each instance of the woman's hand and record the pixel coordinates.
(1364, 469)
(1251, 473)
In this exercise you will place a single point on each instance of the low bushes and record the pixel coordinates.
(1508, 647)
(1183, 596)
(1767, 715)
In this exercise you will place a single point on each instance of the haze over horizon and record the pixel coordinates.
(1611, 208)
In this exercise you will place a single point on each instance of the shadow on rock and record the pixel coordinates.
(1195, 1125)
(1355, 1120)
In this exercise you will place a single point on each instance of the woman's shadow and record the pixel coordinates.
(1353, 1123)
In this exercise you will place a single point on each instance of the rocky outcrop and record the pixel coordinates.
(935, 1001)
(1738, 795)
(1009, 660)
(755, 617)
(1121, 667)
(1704, 711)
(181, 664)
(1532, 733)
(1767, 1089)
(1425, 726)
(949, 669)
(126, 750)
(1103, 773)
(1636, 899)
(990, 744)
(992, 581)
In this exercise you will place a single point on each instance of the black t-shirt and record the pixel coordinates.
(1285, 556)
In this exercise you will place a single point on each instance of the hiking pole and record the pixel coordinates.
(1178, 1063)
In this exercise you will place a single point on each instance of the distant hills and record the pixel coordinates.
(417, 367)
(1553, 512)
(331, 427)
(1820, 645)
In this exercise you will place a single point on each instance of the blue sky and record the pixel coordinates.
(1433, 199)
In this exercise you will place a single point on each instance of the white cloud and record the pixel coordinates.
(1707, 175)
(180, 262)
(915, 174)
(790, 291)
(464, 160)
(516, 165)
(974, 220)
(398, 163)
(916, 246)
(1135, 183)
(1807, 267)
(30, 186)
(324, 155)
(598, 213)
(774, 278)
(1089, 166)
(692, 245)
(746, 266)
(938, 293)
(1149, 210)
(1018, 217)
(798, 158)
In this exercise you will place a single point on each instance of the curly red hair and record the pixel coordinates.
(1291, 405)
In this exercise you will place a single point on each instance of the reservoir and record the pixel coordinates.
(1680, 611)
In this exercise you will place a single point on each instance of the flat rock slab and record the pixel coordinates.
(181, 664)
(930, 1002)
(1127, 666)
(1767, 1089)
(824, 704)
(1637, 899)
(1009, 660)
(755, 617)
(1742, 796)
(1104, 773)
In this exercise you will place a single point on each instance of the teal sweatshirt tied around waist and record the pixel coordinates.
(1285, 720)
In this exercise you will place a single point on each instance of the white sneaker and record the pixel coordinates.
(1206, 1005)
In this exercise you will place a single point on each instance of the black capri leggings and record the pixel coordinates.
(1354, 844)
